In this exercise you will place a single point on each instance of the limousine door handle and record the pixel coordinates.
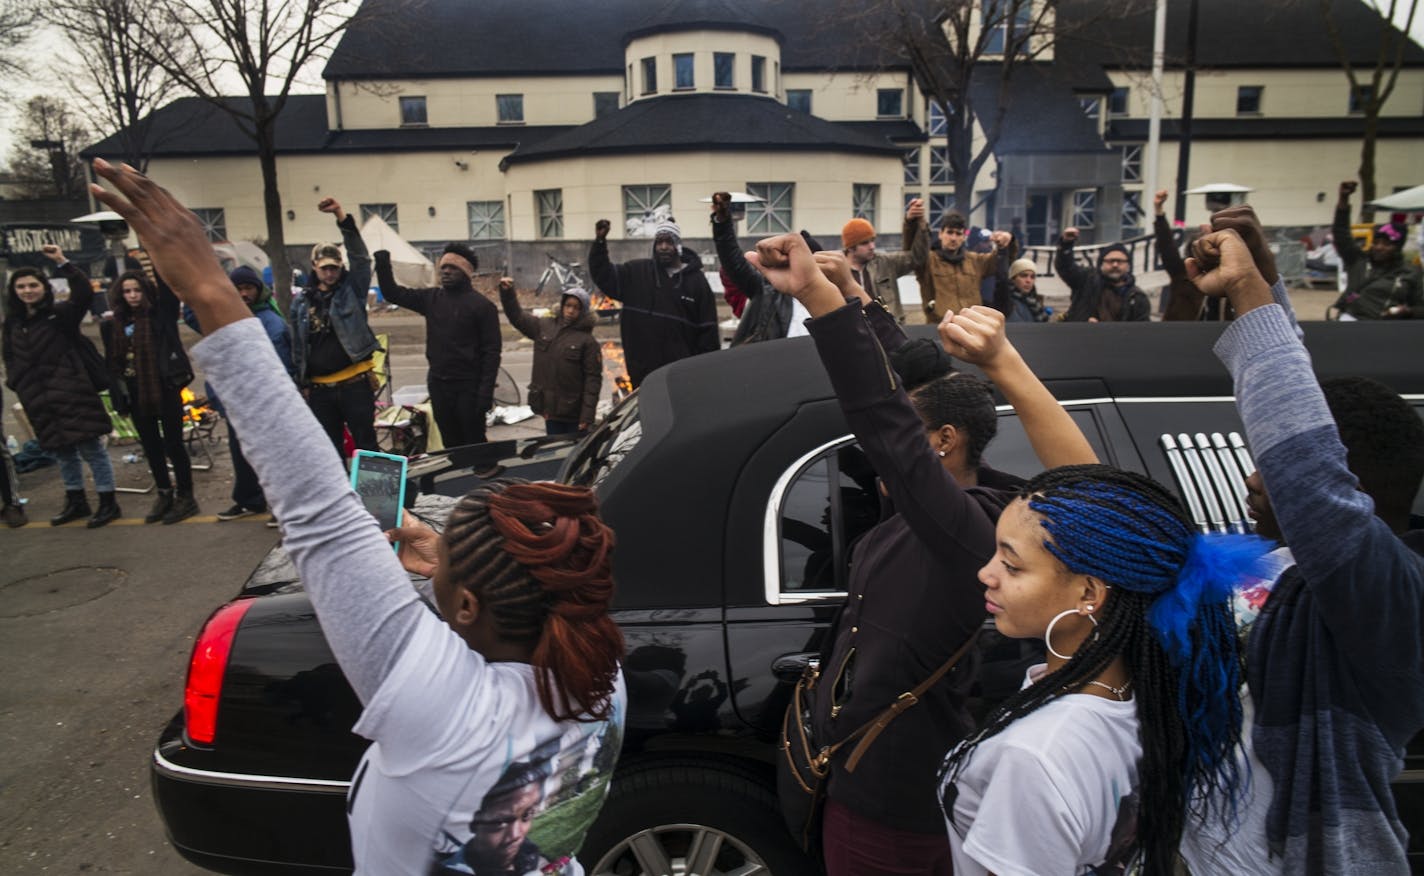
(790, 667)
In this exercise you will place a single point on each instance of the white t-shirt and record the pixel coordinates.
(1053, 793)
(458, 740)
(799, 315)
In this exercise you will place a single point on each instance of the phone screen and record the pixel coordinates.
(378, 482)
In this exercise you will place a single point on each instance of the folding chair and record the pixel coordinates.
(199, 423)
(382, 369)
(123, 431)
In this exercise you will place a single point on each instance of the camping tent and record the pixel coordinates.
(409, 264)
(1407, 201)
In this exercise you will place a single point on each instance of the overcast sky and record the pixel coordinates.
(49, 47)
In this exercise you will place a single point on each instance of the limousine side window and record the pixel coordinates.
(818, 525)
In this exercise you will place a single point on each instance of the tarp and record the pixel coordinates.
(1407, 201)
(409, 264)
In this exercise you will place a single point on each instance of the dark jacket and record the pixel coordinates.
(462, 340)
(1087, 286)
(1370, 290)
(43, 365)
(664, 318)
(174, 369)
(568, 364)
(914, 597)
(347, 306)
(767, 316)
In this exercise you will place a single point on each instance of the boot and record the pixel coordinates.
(161, 506)
(184, 506)
(76, 507)
(14, 516)
(107, 511)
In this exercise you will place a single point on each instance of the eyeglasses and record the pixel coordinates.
(1114, 261)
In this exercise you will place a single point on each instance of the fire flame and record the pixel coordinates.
(614, 367)
(192, 411)
(599, 301)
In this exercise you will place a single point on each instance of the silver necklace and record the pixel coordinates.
(1119, 692)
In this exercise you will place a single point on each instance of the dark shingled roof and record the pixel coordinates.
(1043, 114)
(705, 14)
(686, 122)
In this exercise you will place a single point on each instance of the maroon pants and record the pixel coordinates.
(857, 846)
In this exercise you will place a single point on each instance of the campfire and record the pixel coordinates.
(615, 369)
(599, 301)
(195, 410)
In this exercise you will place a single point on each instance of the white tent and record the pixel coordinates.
(409, 264)
(1407, 201)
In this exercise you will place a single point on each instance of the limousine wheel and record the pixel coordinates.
(688, 817)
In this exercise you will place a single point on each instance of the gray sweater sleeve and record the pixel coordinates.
(362, 595)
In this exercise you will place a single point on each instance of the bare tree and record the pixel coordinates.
(265, 46)
(119, 85)
(952, 46)
(45, 157)
(1371, 85)
(18, 19)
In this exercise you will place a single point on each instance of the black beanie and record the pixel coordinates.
(1112, 247)
(920, 361)
(463, 252)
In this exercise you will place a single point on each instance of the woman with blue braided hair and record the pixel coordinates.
(1092, 764)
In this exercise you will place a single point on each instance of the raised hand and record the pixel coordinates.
(1347, 188)
(1243, 221)
(974, 335)
(722, 206)
(53, 253)
(601, 228)
(789, 266)
(1001, 239)
(1159, 201)
(837, 269)
(1221, 265)
(915, 209)
(332, 206)
(1070, 235)
(506, 284)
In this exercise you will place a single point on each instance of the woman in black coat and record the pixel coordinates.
(150, 369)
(57, 373)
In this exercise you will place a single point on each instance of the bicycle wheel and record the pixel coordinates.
(506, 390)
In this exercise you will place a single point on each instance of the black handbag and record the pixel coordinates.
(803, 769)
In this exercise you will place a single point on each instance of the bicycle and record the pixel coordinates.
(566, 274)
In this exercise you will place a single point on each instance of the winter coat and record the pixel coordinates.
(43, 365)
(1371, 290)
(880, 276)
(664, 318)
(174, 369)
(348, 306)
(1087, 291)
(568, 365)
(948, 284)
(767, 316)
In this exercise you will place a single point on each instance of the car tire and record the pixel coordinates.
(690, 816)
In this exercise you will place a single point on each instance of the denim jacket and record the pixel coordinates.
(348, 306)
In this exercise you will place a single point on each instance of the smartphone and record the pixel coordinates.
(379, 479)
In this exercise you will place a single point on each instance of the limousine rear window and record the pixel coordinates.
(1211, 472)
(608, 446)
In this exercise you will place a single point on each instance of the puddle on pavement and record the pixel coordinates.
(54, 591)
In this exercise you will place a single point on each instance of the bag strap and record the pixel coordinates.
(868, 732)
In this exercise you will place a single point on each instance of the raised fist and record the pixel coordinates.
(329, 205)
(722, 206)
(1070, 235)
(1001, 239)
(915, 209)
(506, 284)
(52, 252)
(1347, 188)
(1159, 201)
(601, 228)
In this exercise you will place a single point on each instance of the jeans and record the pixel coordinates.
(459, 412)
(246, 491)
(71, 470)
(9, 482)
(350, 404)
(858, 846)
(162, 438)
(560, 427)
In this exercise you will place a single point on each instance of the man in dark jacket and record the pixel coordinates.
(1110, 293)
(1379, 285)
(462, 342)
(332, 343)
(668, 310)
(568, 364)
(768, 316)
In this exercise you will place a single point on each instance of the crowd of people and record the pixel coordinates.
(1167, 724)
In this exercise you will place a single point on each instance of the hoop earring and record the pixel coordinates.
(1048, 633)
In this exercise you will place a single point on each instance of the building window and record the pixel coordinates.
(1092, 107)
(1360, 97)
(628, 84)
(941, 205)
(486, 219)
(1131, 213)
(889, 103)
(388, 213)
(650, 75)
(758, 73)
(682, 73)
(723, 69)
(1248, 100)
(772, 215)
(1007, 24)
(1117, 102)
(604, 102)
(937, 125)
(643, 202)
(549, 207)
(1132, 164)
(799, 99)
(1085, 208)
(214, 222)
(511, 108)
(912, 166)
(412, 111)
(864, 197)
(941, 174)
(776, 76)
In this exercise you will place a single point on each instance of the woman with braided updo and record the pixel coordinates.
(1095, 759)
(519, 667)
